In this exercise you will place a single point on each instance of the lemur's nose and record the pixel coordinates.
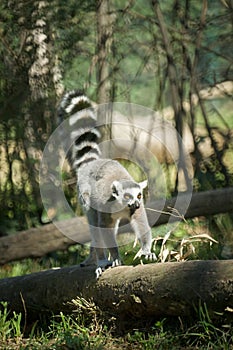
(135, 205)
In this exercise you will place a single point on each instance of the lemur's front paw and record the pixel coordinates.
(148, 256)
(105, 264)
(99, 271)
(102, 266)
(151, 257)
(116, 262)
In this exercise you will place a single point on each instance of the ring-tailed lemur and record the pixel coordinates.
(106, 190)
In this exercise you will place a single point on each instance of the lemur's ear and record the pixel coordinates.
(143, 184)
(116, 188)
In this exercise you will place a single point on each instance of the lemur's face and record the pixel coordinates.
(128, 193)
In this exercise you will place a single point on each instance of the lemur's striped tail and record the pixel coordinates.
(82, 120)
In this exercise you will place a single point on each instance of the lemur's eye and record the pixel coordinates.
(139, 196)
(127, 196)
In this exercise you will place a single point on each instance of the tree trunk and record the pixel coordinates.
(37, 242)
(152, 290)
(105, 20)
(176, 94)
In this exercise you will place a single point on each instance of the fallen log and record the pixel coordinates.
(152, 290)
(37, 242)
(201, 204)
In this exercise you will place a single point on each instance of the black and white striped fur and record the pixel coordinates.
(106, 190)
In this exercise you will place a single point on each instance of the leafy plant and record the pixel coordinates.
(9, 326)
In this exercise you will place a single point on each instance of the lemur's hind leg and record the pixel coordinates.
(91, 259)
(111, 245)
(97, 251)
(109, 228)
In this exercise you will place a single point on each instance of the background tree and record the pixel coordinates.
(31, 83)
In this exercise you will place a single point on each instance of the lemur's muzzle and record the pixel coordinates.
(134, 205)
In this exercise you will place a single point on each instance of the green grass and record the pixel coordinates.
(88, 328)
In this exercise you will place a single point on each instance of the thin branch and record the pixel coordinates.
(178, 215)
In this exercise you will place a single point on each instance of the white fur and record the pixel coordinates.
(81, 115)
(75, 101)
(143, 184)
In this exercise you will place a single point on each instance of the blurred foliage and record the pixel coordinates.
(49, 46)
